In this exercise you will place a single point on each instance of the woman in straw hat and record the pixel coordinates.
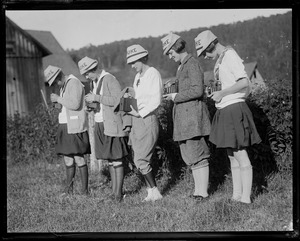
(190, 113)
(72, 137)
(110, 138)
(233, 127)
(147, 86)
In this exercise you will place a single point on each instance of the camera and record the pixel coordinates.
(125, 103)
(212, 87)
(57, 105)
(171, 86)
(93, 106)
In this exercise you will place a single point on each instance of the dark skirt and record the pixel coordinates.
(71, 144)
(233, 127)
(109, 147)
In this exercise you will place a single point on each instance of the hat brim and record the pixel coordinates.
(200, 51)
(168, 48)
(136, 57)
(93, 65)
(53, 77)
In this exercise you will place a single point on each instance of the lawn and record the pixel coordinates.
(34, 205)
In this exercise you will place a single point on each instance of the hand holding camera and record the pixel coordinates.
(213, 91)
(170, 89)
(53, 98)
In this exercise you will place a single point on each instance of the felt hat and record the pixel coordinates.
(86, 64)
(203, 40)
(51, 73)
(168, 41)
(135, 52)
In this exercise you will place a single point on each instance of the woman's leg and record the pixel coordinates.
(112, 173)
(246, 174)
(119, 179)
(236, 176)
(70, 173)
(84, 175)
(195, 153)
(201, 177)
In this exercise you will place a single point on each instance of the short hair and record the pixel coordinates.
(179, 46)
(144, 60)
(211, 47)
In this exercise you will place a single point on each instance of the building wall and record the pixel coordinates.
(24, 75)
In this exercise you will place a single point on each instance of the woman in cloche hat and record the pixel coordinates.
(110, 138)
(72, 139)
(233, 127)
(190, 114)
(147, 86)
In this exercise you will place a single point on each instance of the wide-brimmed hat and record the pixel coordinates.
(135, 52)
(168, 41)
(86, 64)
(203, 40)
(51, 73)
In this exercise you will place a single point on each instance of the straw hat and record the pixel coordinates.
(203, 40)
(86, 64)
(51, 73)
(168, 41)
(135, 52)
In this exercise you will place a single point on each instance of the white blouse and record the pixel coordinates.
(230, 70)
(148, 91)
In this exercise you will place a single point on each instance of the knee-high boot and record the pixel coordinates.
(70, 172)
(112, 173)
(84, 179)
(119, 172)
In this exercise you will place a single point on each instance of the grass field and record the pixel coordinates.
(34, 205)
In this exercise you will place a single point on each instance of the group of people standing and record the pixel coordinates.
(232, 126)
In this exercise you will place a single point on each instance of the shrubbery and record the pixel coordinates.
(33, 137)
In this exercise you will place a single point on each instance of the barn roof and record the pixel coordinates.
(44, 50)
(59, 57)
(250, 68)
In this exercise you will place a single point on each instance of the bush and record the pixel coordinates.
(32, 137)
(272, 111)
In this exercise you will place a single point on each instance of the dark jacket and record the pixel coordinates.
(190, 113)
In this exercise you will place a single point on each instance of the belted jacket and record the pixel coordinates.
(190, 113)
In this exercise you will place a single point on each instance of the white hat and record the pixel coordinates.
(86, 64)
(51, 73)
(135, 52)
(203, 40)
(168, 41)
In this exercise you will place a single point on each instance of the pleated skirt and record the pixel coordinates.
(234, 127)
(109, 147)
(71, 144)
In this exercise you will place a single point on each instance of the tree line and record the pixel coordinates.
(266, 40)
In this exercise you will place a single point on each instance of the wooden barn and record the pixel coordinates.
(24, 70)
(58, 57)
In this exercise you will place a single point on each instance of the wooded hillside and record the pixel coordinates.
(267, 40)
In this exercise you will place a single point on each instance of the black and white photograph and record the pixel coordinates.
(149, 121)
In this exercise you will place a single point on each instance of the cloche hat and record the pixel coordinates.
(168, 41)
(51, 73)
(203, 40)
(135, 52)
(86, 64)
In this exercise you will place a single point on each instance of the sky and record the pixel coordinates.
(75, 29)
